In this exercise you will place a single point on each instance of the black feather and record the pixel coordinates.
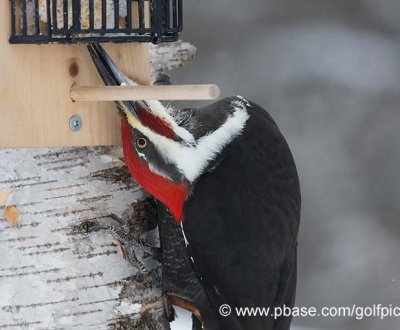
(242, 221)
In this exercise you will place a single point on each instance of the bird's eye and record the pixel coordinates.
(141, 142)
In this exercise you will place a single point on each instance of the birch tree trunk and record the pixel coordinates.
(53, 277)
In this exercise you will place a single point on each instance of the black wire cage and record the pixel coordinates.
(81, 21)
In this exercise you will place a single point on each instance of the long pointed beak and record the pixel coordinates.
(111, 75)
(109, 63)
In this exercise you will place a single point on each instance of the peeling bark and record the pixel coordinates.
(51, 276)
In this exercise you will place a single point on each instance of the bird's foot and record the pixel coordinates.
(128, 232)
(130, 246)
(121, 236)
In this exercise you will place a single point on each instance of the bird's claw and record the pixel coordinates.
(130, 246)
(127, 230)
(120, 235)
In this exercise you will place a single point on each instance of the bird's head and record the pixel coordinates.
(153, 149)
(164, 157)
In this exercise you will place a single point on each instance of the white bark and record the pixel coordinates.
(169, 56)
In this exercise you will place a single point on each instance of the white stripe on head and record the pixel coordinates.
(159, 110)
(191, 160)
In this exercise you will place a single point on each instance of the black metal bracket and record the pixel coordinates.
(88, 21)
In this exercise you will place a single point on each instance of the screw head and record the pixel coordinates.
(75, 123)
(156, 38)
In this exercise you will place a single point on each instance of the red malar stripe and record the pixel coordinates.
(171, 194)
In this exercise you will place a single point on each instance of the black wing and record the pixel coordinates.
(242, 222)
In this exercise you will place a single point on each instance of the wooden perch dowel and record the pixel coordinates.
(127, 93)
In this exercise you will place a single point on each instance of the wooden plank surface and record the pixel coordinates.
(34, 91)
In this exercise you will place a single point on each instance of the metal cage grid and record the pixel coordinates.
(84, 21)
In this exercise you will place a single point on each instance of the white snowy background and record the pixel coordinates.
(329, 73)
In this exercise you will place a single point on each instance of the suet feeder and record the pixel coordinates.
(47, 78)
(75, 21)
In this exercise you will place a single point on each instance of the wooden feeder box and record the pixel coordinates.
(45, 69)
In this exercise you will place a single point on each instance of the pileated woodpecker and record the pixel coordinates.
(228, 197)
